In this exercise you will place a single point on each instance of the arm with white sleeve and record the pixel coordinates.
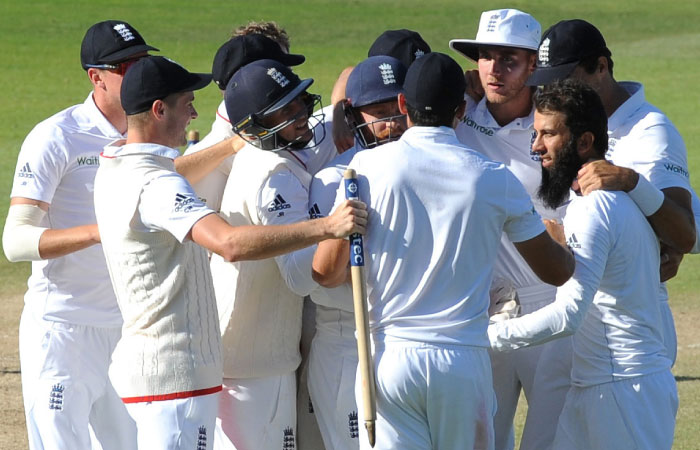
(562, 317)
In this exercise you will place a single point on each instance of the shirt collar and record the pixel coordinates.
(433, 133)
(631, 105)
(119, 148)
(482, 116)
(96, 118)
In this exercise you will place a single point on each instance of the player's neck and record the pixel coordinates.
(519, 106)
(613, 96)
(113, 113)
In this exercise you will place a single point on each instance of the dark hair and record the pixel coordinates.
(582, 107)
(430, 118)
(590, 63)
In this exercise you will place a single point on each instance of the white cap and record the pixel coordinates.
(502, 28)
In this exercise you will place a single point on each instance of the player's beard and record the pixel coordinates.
(556, 181)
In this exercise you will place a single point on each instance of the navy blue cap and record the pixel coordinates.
(564, 45)
(376, 79)
(110, 42)
(404, 45)
(154, 78)
(241, 50)
(435, 83)
(261, 88)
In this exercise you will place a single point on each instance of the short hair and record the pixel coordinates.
(590, 63)
(581, 106)
(268, 29)
(430, 118)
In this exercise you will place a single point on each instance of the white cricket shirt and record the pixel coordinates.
(610, 304)
(511, 145)
(436, 213)
(57, 165)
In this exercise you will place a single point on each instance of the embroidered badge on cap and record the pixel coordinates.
(124, 31)
(278, 76)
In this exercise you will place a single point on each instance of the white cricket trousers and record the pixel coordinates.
(637, 413)
(257, 414)
(431, 397)
(542, 372)
(178, 424)
(66, 387)
(332, 371)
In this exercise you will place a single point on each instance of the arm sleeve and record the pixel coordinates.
(663, 157)
(169, 203)
(283, 200)
(523, 222)
(20, 238)
(41, 165)
(590, 237)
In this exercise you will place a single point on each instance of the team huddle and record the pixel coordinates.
(519, 223)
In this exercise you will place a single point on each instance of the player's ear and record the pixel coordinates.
(95, 76)
(584, 146)
(402, 103)
(158, 109)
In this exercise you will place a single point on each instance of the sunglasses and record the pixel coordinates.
(118, 68)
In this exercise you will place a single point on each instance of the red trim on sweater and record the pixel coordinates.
(173, 396)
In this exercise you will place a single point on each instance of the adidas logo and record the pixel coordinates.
(56, 397)
(183, 203)
(543, 52)
(353, 426)
(125, 32)
(278, 76)
(387, 73)
(315, 212)
(25, 172)
(278, 204)
(572, 241)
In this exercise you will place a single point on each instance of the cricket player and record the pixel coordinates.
(648, 155)
(260, 303)
(437, 210)
(623, 394)
(499, 126)
(71, 322)
(371, 111)
(167, 366)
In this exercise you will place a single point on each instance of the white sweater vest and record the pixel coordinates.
(260, 317)
(170, 339)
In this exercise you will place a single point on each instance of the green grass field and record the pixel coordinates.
(651, 42)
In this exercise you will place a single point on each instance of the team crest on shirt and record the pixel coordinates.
(353, 427)
(184, 203)
(533, 154)
(572, 241)
(202, 438)
(288, 442)
(56, 397)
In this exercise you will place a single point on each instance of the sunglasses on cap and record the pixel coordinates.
(118, 68)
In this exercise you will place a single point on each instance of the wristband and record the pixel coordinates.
(647, 196)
